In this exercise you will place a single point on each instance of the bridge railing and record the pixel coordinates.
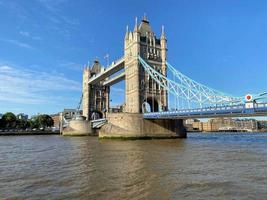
(235, 109)
(97, 123)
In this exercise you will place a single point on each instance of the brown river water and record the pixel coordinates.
(203, 166)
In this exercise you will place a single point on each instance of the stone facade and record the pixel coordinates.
(86, 92)
(95, 96)
(219, 123)
(139, 87)
(133, 125)
(78, 128)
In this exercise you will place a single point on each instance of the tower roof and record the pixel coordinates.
(96, 68)
(144, 26)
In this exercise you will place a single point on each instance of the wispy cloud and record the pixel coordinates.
(24, 33)
(29, 35)
(72, 66)
(54, 7)
(33, 87)
(17, 43)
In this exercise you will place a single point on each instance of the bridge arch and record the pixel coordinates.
(96, 114)
(153, 103)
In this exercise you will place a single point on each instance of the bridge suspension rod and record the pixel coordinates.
(188, 89)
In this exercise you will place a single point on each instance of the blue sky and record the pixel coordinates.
(44, 45)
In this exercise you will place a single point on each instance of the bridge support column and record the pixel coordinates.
(78, 128)
(134, 126)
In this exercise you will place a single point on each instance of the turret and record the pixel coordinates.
(145, 19)
(136, 33)
(126, 34)
(135, 26)
(163, 35)
(163, 44)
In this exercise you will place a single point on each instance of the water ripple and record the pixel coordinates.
(203, 166)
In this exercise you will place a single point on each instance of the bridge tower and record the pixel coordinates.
(140, 90)
(95, 96)
(139, 87)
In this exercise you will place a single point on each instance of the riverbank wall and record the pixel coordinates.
(18, 133)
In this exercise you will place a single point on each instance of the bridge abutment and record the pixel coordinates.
(134, 126)
(78, 128)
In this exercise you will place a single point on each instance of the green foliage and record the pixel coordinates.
(9, 120)
(9, 117)
(22, 124)
(44, 121)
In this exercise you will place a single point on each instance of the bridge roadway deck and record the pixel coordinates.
(115, 79)
(112, 69)
(259, 109)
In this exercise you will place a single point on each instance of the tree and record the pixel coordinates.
(9, 120)
(22, 124)
(44, 121)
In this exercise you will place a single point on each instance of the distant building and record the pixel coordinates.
(116, 109)
(189, 124)
(1, 115)
(56, 119)
(22, 116)
(225, 124)
(70, 113)
(191, 121)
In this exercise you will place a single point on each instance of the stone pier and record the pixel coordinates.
(130, 125)
(78, 128)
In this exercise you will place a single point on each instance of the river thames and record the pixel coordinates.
(203, 166)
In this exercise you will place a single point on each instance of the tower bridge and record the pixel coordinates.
(157, 96)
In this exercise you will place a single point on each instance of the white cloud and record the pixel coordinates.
(72, 66)
(25, 33)
(56, 16)
(4, 69)
(34, 87)
(29, 35)
(17, 43)
(52, 5)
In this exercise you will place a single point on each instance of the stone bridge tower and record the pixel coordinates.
(95, 96)
(140, 87)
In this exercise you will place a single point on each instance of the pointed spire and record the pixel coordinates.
(127, 33)
(163, 36)
(135, 26)
(145, 19)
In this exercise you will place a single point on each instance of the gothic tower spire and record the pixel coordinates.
(127, 33)
(136, 26)
(163, 36)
